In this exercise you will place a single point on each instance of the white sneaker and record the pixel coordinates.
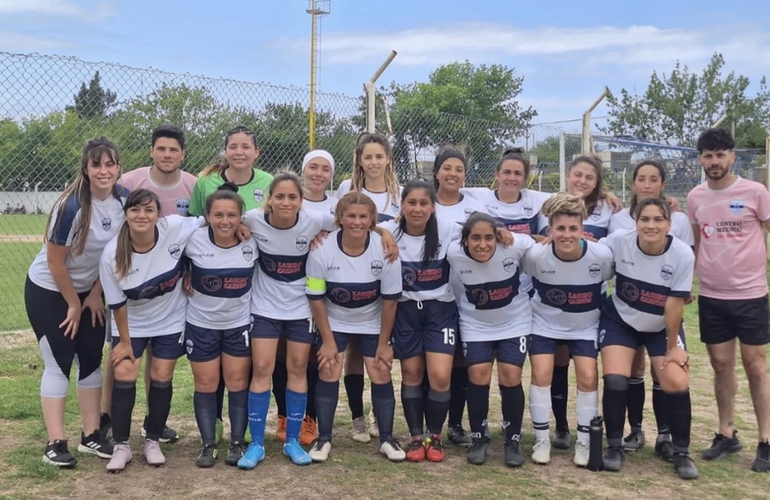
(361, 430)
(121, 456)
(320, 450)
(541, 452)
(153, 454)
(582, 451)
(392, 449)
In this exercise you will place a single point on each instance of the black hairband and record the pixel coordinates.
(445, 155)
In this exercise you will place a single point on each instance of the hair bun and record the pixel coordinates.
(228, 186)
(511, 151)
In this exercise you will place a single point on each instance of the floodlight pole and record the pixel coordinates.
(585, 143)
(370, 91)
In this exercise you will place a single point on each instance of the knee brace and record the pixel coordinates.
(616, 382)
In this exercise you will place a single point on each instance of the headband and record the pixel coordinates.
(447, 154)
(317, 153)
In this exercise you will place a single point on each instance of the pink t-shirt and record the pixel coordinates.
(732, 258)
(173, 199)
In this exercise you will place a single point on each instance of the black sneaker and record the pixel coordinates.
(562, 440)
(613, 458)
(105, 426)
(58, 454)
(95, 445)
(634, 441)
(457, 436)
(477, 453)
(235, 452)
(207, 457)
(664, 448)
(168, 435)
(762, 462)
(684, 466)
(722, 446)
(513, 456)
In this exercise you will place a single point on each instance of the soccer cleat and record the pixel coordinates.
(722, 446)
(58, 454)
(477, 453)
(434, 449)
(541, 451)
(361, 430)
(168, 435)
(684, 466)
(762, 462)
(320, 450)
(392, 449)
(153, 453)
(457, 436)
(415, 452)
(308, 432)
(294, 451)
(255, 453)
(280, 429)
(582, 452)
(513, 455)
(562, 440)
(664, 448)
(121, 457)
(207, 457)
(634, 441)
(235, 452)
(105, 426)
(220, 430)
(374, 428)
(613, 458)
(95, 445)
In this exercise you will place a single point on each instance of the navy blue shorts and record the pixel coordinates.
(510, 351)
(420, 327)
(367, 343)
(204, 344)
(163, 347)
(616, 332)
(295, 330)
(546, 345)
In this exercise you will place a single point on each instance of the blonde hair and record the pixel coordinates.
(359, 176)
(355, 198)
(563, 203)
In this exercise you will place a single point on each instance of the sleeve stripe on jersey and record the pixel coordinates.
(115, 307)
(681, 294)
(67, 211)
(391, 296)
(317, 285)
(312, 296)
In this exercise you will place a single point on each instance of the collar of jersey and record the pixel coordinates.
(366, 245)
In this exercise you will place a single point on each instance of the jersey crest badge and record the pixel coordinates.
(258, 195)
(106, 223)
(737, 206)
(301, 243)
(175, 251)
(182, 205)
(376, 267)
(248, 253)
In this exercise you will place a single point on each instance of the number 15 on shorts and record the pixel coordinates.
(449, 336)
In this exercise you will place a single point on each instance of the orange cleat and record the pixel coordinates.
(416, 450)
(280, 429)
(435, 450)
(309, 431)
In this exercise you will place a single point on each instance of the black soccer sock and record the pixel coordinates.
(280, 377)
(661, 415)
(635, 402)
(159, 405)
(326, 396)
(312, 382)
(559, 395)
(414, 408)
(679, 409)
(478, 409)
(123, 400)
(513, 411)
(220, 394)
(354, 388)
(238, 409)
(384, 403)
(436, 410)
(205, 405)
(425, 393)
(459, 389)
(614, 407)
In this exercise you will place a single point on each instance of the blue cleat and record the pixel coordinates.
(293, 450)
(255, 453)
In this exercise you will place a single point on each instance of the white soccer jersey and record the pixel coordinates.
(644, 282)
(567, 294)
(353, 287)
(595, 226)
(493, 306)
(327, 205)
(458, 213)
(221, 280)
(521, 217)
(279, 286)
(387, 207)
(152, 289)
(423, 281)
(680, 225)
(106, 219)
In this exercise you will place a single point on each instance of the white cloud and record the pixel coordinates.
(58, 8)
(23, 43)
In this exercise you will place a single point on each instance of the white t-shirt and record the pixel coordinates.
(458, 213)
(353, 287)
(387, 207)
(328, 204)
(221, 280)
(106, 219)
(680, 225)
(152, 289)
(493, 306)
(521, 217)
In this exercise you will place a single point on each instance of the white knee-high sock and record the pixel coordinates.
(587, 408)
(540, 410)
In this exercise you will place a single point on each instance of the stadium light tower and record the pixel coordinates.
(317, 9)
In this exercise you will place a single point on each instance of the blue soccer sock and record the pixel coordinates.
(259, 403)
(295, 413)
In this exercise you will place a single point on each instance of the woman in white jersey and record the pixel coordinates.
(568, 275)
(353, 292)
(141, 272)
(649, 181)
(63, 297)
(653, 272)
(218, 320)
(495, 317)
(374, 174)
(425, 332)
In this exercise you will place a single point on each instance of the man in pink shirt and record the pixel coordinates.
(728, 214)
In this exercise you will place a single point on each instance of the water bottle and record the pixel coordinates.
(596, 436)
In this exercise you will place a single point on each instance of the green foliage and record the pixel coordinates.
(93, 101)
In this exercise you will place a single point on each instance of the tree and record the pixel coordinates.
(93, 101)
(676, 108)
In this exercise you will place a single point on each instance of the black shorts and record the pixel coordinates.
(577, 347)
(367, 343)
(294, 330)
(724, 320)
(204, 344)
(615, 331)
(420, 327)
(168, 347)
(509, 351)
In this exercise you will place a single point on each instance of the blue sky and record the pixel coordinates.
(566, 50)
